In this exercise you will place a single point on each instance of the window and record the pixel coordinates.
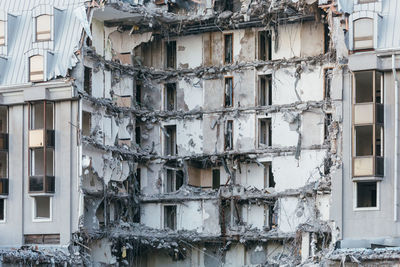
(228, 92)
(265, 132)
(270, 217)
(264, 45)
(2, 32)
(2, 209)
(269, 180)
(43, 28)
(42, 208)
(229, 135)
(228, 48)
(174, 180)
(3, 150)
(138, 93)
(41, 147)
(328, 122)
(170, 97)
(36, 68)
(327, 38)
(170, 217)
(367, 194)
(363, 32)
(170, 140)
(265, 91)
(216, 178)
(171, 54)
(368, 124)
(138, 136)
(328, 73)
(87, 81)
(86, 123)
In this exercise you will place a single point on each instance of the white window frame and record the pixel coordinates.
(378, 187)
(5, 211)
(34, 219)
(163, 216)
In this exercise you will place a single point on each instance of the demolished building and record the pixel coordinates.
(188, 133)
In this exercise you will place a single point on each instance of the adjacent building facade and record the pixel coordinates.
(198, 133)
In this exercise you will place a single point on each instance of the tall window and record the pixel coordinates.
(174, 180)
(228, 48)
(41, 148)
(265, 132)
(43, 28)
(3, 150)
(228, 92)
(171, 54)
(363, 31)
(265, 91)
(264, 45)
(36, 68)
(170, 140)
(170, 217)
(2, 32)
(368, 127)
(229, 135)
(170, 97)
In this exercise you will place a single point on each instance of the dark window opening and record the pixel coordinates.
(265, 132)
(228, 48)
(328, 122)
(272, 217)
(366, 194)
(228, 92)
(87, 80)
(265, 91)
(327, 38)
(86, 123)
(170, 140)
(170, 217)
(42, 207)
(328, 73)
(174, 180)
(170, 97)
(216, 178)
(2, 209)
(269, 180)
(229, 136)
(138, 94)
(171, 54)
(264, 45)
(138, 138)
(364, 140)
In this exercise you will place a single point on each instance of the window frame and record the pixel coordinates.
(233, 92)
(4, 210)
(34, 217)
(175, 150)
(268, 134)
(230, 136)
(164, 216)
(267, 88)
(355, 196)
(42, 72)
(4, 37)
(174, 88)
(225, 47)
(49, 31)
(363, 38)
(268, 45)
(168, 64)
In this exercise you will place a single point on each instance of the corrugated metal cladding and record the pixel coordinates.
(20, 44)
(389, 34)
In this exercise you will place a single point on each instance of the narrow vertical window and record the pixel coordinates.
(228, 48)
(138, 134)
(170, 217)
(328, 73)
(2, 209)
(4, 150)
(174, 180)
(327, 38)
(363, 31)
(229, 135)
(264, 45)
(170, 140)
(36, 68)
(87, 80)
(327, 123)
(138, 93)
(171, 54)
(216, 178)
(170, 97)
(265, 91)
(2, 32)
(228, 92)
(86, 123)
(269, 180)
(43, 23)
(265, 133)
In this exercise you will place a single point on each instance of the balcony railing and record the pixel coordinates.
(41, 184)
(40, 138)
(3, 186)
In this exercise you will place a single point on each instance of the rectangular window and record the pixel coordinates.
(216, 178)
(2, 32)
(138, 93)
(170, 217)
(228, 48)
(264, 45)
(363, 31)
(42, 208)
(265, 90)
(3, 150)
(270, 217)
(174, 180)
(327, 38)
(86, 123)
(265, 132)
(87, 80)
(228, 92)
(36, 68)
(43, 23)
(170, 97)
(2, 209)
(138, 136)
(229, 135)
(327, 123)
(269, 180)
(171, 54)
(367, 194)
(170, 140)
(368, 124)
(328, 73)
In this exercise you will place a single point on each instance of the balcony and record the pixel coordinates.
(368, 113)
(39, 138)
(368, 166)
(41, 184)
(3, 187)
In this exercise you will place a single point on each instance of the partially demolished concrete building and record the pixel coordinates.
(197, 133)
